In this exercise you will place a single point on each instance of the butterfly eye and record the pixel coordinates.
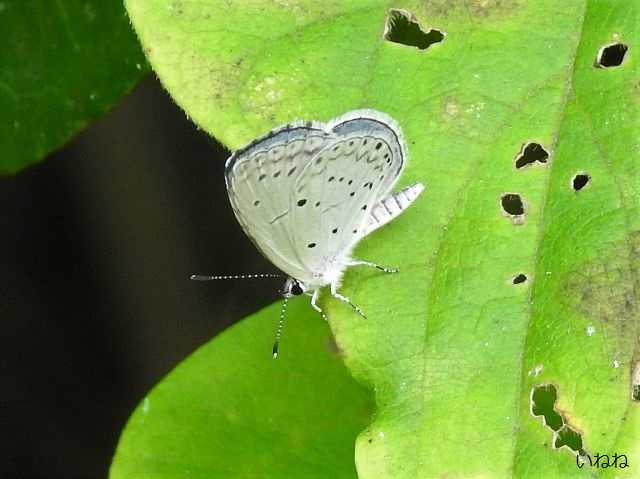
(296, 290)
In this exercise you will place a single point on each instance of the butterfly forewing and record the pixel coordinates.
(258, 180)
(303, 192)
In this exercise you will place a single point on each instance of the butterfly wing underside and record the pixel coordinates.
(341, 184)
(303, 192)
(259, 178)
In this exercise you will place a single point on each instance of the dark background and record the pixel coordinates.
(97, 245)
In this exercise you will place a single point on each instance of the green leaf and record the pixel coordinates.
(231, 411)
(455, 347)
(64, 63)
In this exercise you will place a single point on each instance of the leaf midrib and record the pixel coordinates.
(571, 70)
(477, 165)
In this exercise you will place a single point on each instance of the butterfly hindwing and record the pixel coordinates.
(340, 185)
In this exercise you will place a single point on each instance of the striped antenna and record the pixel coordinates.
(200, 277)
(276, 344)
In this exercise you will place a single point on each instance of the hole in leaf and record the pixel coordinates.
(521, 278)
(402, 27)
(512, 204)
(531, 153)
(635, 382)
(543, 400)
(580, 180)
(570, 438)
(611, 55)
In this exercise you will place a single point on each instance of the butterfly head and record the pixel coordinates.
(293, 287)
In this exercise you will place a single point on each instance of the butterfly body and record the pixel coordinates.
(331, 273)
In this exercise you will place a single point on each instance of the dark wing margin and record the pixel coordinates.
(283, 134)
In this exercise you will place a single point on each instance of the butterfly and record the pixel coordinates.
(307, 192)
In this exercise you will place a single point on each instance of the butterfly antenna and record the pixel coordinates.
(200, 277)
(276, 344)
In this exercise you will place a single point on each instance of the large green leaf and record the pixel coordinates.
(64, 62)
(231, 411)
(475, 373)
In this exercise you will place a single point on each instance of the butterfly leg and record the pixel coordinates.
(314, 305)
(358, 262)
(344, 299)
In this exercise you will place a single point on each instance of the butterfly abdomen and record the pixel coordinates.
(391, 206)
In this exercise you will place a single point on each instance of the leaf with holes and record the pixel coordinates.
(517, 300)
(64, 63)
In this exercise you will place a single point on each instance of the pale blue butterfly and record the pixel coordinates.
(306, 193)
